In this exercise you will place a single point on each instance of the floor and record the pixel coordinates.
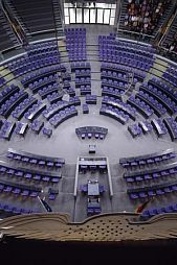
(65, 143)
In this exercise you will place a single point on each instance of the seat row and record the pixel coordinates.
(152, 191)
(118, 103)
(60, 105)
(153, 173)
(63, 115)
(79, 66)
(15, 210)
(112, 90)
(7, 92)
(10, 104)
(161, 96)
(153, 103)
(114, 113)
(146, 214)
(35, 159)
(171, 125)
(84, 168)
(30, 174)
(28, 66)
(141, 106)
(91, 131)
(42, 73)
(121, 84)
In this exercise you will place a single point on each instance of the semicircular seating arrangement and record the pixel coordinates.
(42, 88)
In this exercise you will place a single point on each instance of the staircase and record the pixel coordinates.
(58, 16)
(13, 13)
(158, 68)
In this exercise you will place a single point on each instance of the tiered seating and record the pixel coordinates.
(115, 113)
(85, 89)
(54, 97)
(171, 125)
(60, 105)
(13, 209)
(46, 48)
(157, 95)
(82, 81)
(10, 104)
(159, 127)
(140, 127)
(161, 92)
(153, 211)
(6, 129)
(153, 103)
(151, 191)
(63, 115)
(19, 189)
(36, 85)
(141, 106)
(170, 75)
(91, 99)
(35, 110)
(112, 51)
(28, 173)
(35, 159)
(85, 72)
(118, 103)
(118, 79)
(43, 67)
(76, 43)
(80, 66)
(151, 174)
(7, 92)
(116, 87)
(146, 16)
(116, 68)
(142, 160)
(23, 107)
(91, 132)
(108, 90)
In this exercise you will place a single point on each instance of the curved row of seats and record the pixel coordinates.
(141, 106)
(113, 67)
(60, 105)
(151, 191)
(118, 103)
(143, 160)
(41, 73)
(153, 211)
(115, 113)
(153, 173)
(35, 159)
(63, 115)
(13, 209)
(29, 174)
(158, 108)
